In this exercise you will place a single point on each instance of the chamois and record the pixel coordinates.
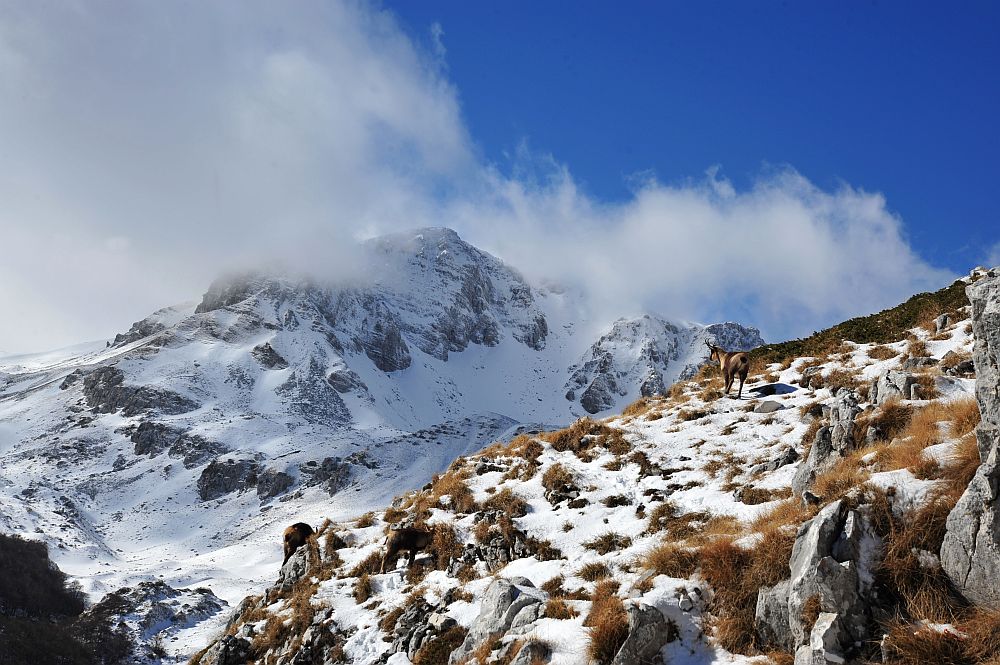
(407, 538)
(731, 363)
(295, 537)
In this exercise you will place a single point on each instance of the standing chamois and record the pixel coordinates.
(731, 363)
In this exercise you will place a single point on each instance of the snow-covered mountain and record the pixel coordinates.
(180, 450)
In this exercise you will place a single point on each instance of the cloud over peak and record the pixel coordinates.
(150, 147)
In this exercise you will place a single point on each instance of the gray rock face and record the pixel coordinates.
(309, 394)
(152, 438)
(892, 384)
(346, 380)
(268, 357)
(222, 477)
(832, 442)
(106, 392)
(768, 406)
(506, 606)
(297, 567)
(648, 631)
(645, 351)
(332, 474)
(831, 564)
(787, 456)
(970, 553)
(271, 483)
(941, 322)
(384, 344)
(230, 650)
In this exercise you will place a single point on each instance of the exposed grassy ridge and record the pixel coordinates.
(889, 325)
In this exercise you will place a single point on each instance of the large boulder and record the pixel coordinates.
(648, 631)
(970, 553)
(831, 574)
(106, 392)
(891, 384)
(507, 605)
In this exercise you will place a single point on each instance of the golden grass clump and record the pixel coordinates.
(736, 574)
(508, 503)
(608, 624)
(437, 650)
(881, 352)
(594, 571)
(362, 588)
(556, 477)
(608, 542)
(672, 560)
(557, 608)
(370, 565)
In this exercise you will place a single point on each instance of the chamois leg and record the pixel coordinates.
(743, 377)
(390, 556)
(729, 383)
(413, 557)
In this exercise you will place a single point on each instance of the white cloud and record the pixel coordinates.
(993, 256)
(151, 146)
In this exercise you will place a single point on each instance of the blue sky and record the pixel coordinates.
(897, 97)
(847, 151)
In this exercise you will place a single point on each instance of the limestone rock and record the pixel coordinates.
(970, 553)
(648, 631)
(506, 604)
(106, 392)
(223, 477)
(768, 406)
(268, 357)
(892, 383)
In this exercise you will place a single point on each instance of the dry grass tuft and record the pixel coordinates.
(370, 565)
(608, 542)
(881, 352)
(362, 588)
(557, 608)
(366, 520)
(672, 560)
(556, 477)
(437, 650)
(608, 623)
(594, 571)
(507, 503)
(736, 574)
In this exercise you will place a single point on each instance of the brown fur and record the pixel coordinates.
(732, 363)
(408, 538)
(295, 537)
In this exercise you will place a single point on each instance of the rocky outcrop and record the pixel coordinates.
(970, 554)
(647, 353)
(153, 611)
(507, 606)
(310, 395)
(831, 576)
(384, 345)
(223, 477)
(268, 357)
(106, 392)
(152, 438)
(345, 380)
(271, 483)
(832, 443)
(332, 474)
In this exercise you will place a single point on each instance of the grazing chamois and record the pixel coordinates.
(407, 538)
(295, 537)
(731, 363)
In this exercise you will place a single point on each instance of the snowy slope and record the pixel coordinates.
(707, 466)
(180, 451)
